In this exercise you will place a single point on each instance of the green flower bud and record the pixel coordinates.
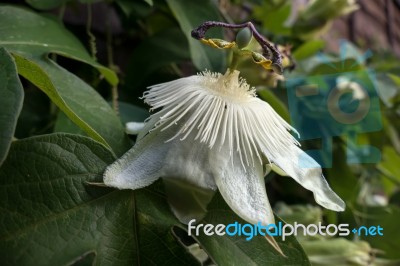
(243, 37)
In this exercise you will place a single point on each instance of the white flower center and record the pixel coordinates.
(220, 109)
(229, 86)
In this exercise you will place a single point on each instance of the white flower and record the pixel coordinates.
(212, 131)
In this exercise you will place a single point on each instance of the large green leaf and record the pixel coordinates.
(29, 33)
(34, 44)
(236, 250)
(11, 98)
(84, 106)
(64, 124)
(52, 216)
(30, 37)
(128, 113)
(190, 14)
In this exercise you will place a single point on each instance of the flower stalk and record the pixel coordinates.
(235, 61)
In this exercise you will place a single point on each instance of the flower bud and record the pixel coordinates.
(243, 37)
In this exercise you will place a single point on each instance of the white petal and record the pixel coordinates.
(243, 189)
(189, 161)
(149, 124)
(154, 156)
(307, 172)
(141, 165)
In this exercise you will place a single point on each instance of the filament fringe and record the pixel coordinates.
(221, 110)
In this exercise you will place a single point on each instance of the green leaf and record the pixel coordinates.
(136, 9)
(11, 99)
(317, 16)
(128, 113)
(35, 35)
(52, 216)
(273, 17)
(387, 219)
(235, 250)
(45, 4)
(132, 113)
(84, 106)
(158, 246)
(341, 178)
(64, 124)
(190, 14)
(308, 49)
(31, 38)
(164, 48)
(395, 78)
(268, 96)
(389, 165)
(36, 116)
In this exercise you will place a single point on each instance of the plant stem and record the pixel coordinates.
(235, 60)
(92, 38)
(111, 65)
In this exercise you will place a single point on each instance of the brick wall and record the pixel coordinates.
(375, 25)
